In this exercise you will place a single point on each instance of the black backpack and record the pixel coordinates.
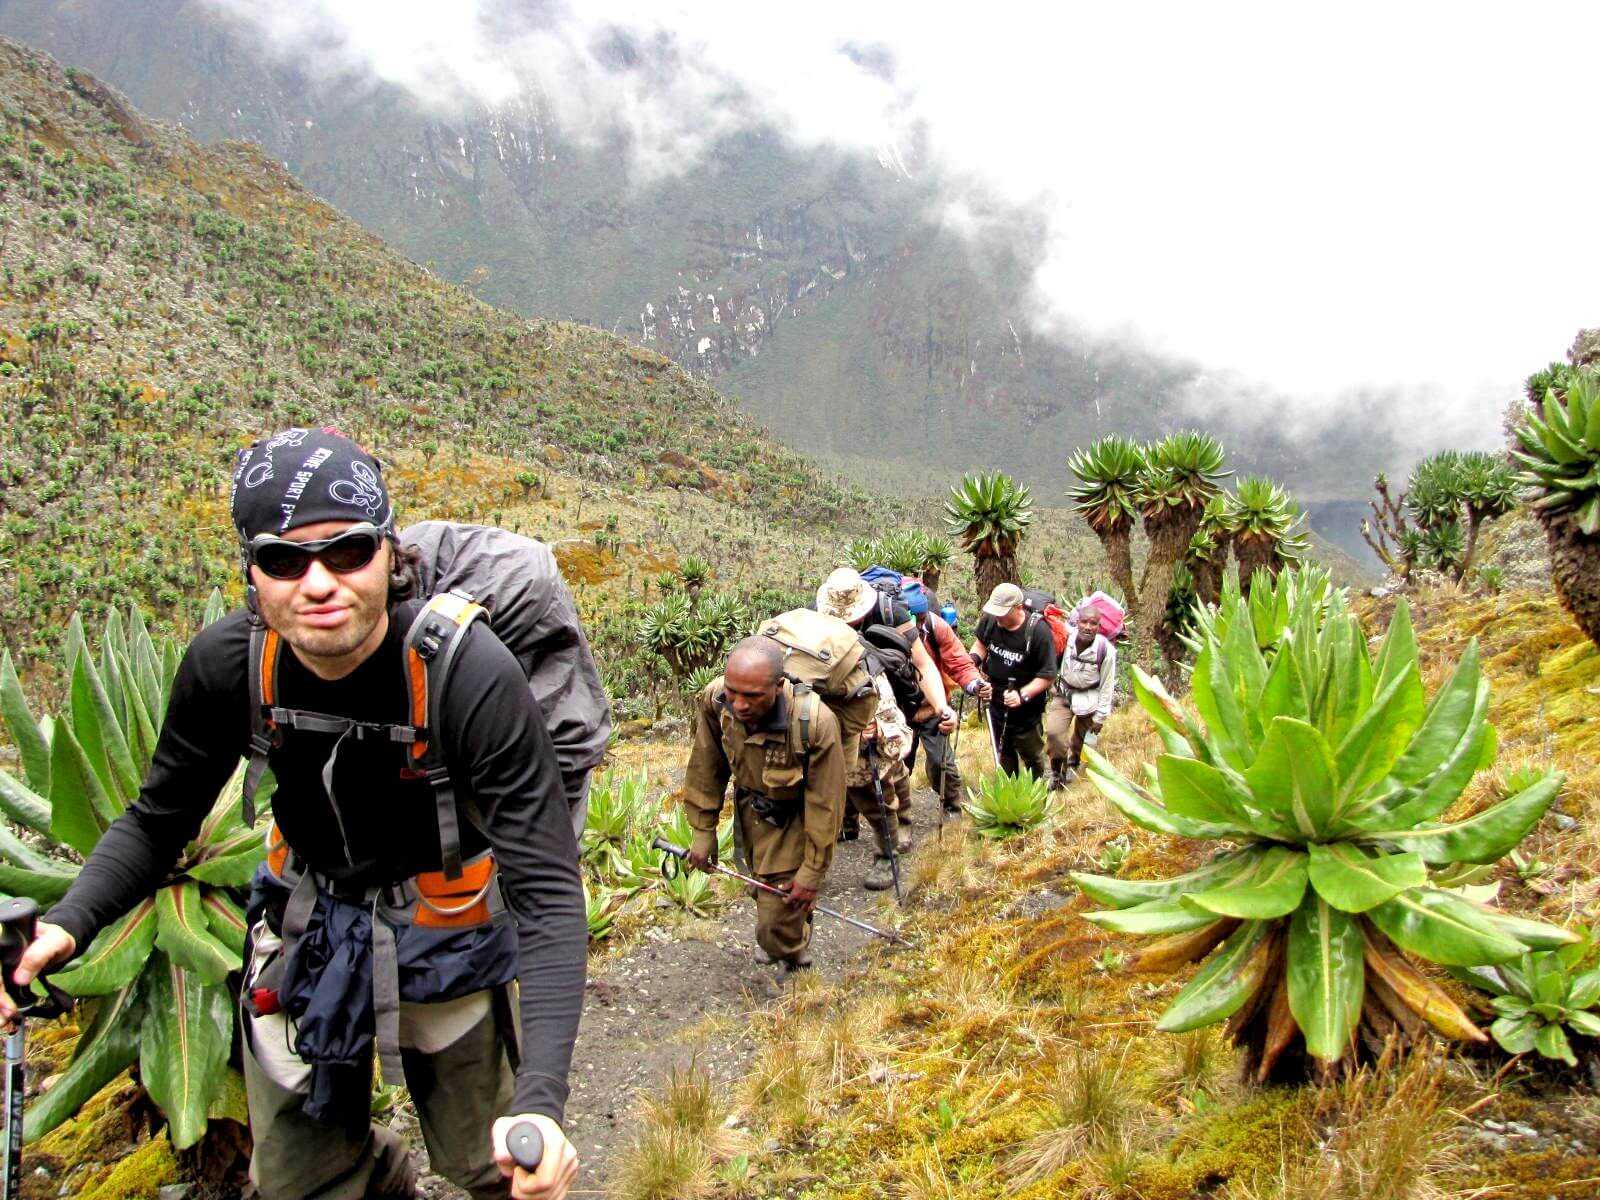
(889, 655)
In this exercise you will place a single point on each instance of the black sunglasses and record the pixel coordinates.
(279, 558)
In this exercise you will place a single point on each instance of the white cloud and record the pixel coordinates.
(1311, 201)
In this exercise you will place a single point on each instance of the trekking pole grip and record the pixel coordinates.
(19, 920)
(525, 1144)
(667, 847)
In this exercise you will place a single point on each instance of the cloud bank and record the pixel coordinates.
(1308, 203)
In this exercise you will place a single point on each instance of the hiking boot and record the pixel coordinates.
(902, 837)
(762, 959)
(880, 875)
(800, 961)
(850, 829)
(951, 809)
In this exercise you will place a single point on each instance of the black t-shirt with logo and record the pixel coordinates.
(1017, 656)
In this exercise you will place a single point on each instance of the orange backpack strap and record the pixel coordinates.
(431, 645)
(264, 647)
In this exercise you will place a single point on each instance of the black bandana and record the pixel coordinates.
(302, 476)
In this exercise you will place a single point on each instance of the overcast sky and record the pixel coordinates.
(1308, 200)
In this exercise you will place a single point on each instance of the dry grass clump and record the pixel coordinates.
(1383, 1133)
(684, 1134)
(1093, 1104)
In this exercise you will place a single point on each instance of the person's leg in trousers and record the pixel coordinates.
(944, 776)
(1080, 731)
(296, 1158)
(781, 931)
(459, 1091)
(1026, 747)
(1058, 737)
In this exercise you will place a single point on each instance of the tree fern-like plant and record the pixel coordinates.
(1110, 474)
(1184, 473)
(1328, 770)
(1263, 517)
(153, 983)
(936, 555)
(989, 514)
(1560, 461)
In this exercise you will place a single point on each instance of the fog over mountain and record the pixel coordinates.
(899, 232)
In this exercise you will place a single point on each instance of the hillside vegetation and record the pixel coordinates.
(1014, 1055)
(162, 303)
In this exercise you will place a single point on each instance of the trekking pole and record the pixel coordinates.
(525, 1144)
(18, 919)
(679, 853)
(954, 747)
(883, 822)
(994, 744)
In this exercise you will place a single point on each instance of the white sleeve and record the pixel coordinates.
(1108, 683)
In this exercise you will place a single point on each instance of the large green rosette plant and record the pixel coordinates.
(153, 983)
(1326, 772)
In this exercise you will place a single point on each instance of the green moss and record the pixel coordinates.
(1244, 1142)
(138, 1176)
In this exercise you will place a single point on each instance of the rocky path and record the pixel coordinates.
(684, 995)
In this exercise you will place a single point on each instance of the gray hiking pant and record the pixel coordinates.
(458, 1077)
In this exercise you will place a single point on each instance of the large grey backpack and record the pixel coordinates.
(530, 609)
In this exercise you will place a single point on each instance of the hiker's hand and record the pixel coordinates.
(557, 1169)
(701, 858)
(51, 946)
(800, 896)
(985, 691)
(947, 719)
(1012, 698)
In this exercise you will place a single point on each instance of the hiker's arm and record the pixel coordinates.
(201, 739)
(824, 810)
(957, 663)
(705, 780)
(932, 684)
(497, 738)
(1108, 685)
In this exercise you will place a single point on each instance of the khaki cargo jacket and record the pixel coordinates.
(765, 759)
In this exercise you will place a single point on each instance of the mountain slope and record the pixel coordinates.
(162, 303)
(818, 287)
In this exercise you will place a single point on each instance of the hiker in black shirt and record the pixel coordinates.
(1018, 656)
(366, 852)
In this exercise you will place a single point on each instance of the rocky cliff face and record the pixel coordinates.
(813, 285)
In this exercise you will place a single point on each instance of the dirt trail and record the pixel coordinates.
(675, 995)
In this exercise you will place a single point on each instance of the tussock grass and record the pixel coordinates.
(684, 1134)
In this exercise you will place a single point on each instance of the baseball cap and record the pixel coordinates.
(1003, 599)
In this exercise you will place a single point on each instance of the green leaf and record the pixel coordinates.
(1224, 982)
(143, 726)
(1516, 1035)
(22, 805)
(1141, 811)
(1190, 788)
(225, 919)
(183, 933)
(1152, 917)
(25, 733)
(77, 801)
(1124, 893)
(183, 1054)
(1399, 649)
(230, 1103)
(1443, 787)
(1285, 692)
(1536, 935)
(1443, 929)
(107, 1048)
(230, 870)
(116, 957)
(1327, 978)
(1586, 1023)
(1585, 989)
(75, 642)
(1219, 707)
(1344, 691)
(44, 886)
(1354, 881)
(99, 731)
(1375, 742)
(1486, 837)
(1270, 887)
(1551, 1041)
(1446, 722)
(1293, 776)
(14, 850)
